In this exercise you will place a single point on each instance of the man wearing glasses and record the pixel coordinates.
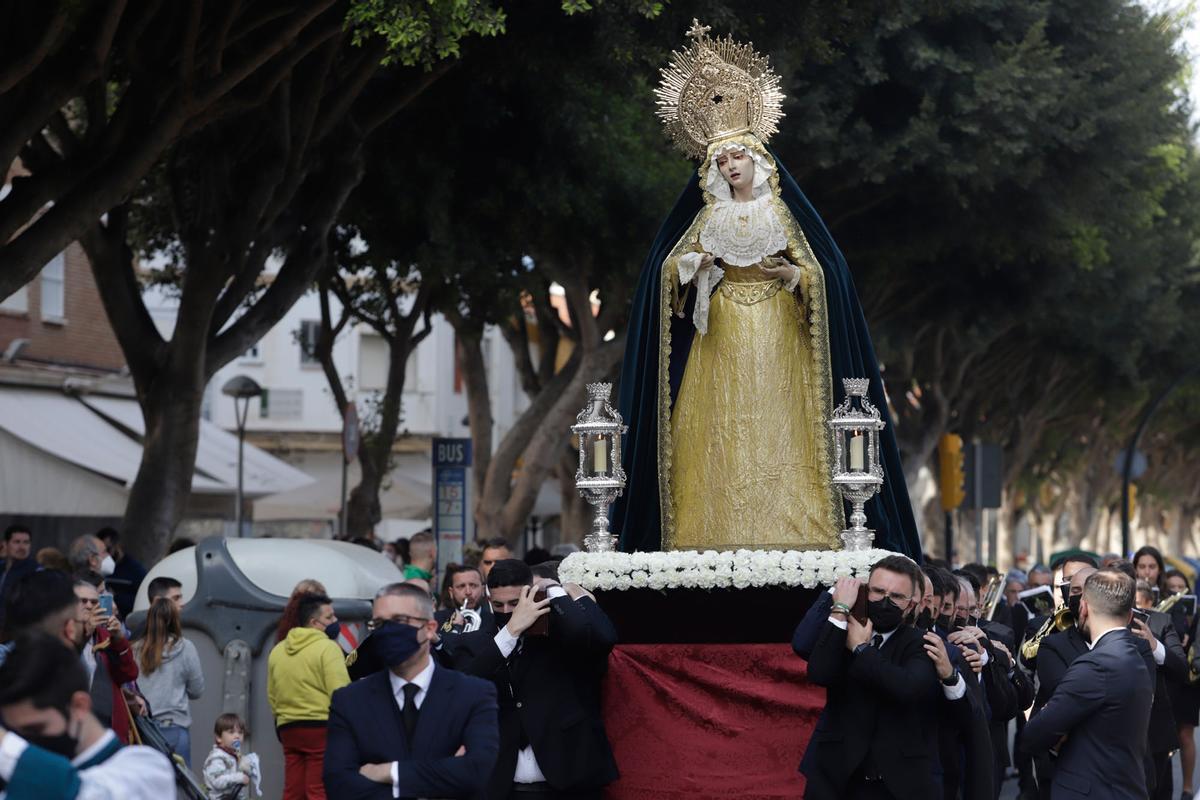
(883, 678)
(414, 729)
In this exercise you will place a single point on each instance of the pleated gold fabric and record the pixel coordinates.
(748, 467)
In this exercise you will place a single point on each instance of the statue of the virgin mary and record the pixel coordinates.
(744, 323)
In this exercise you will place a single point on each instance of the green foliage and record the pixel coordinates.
(423, 31)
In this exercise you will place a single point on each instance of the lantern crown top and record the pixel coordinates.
(856, 387)
(599, 391)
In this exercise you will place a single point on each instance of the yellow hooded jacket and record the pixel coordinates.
(303, 671)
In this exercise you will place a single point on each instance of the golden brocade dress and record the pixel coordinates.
(747, 455)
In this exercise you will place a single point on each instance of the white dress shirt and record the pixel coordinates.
(422, 680)
(528, 770)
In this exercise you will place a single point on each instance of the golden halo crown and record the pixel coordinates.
(717, 88)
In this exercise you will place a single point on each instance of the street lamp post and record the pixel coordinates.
(242, 389)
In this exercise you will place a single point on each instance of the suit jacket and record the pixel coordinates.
(549, 690)
(1100, 704)
(875, 701)
(1164, 736)
(366, 727)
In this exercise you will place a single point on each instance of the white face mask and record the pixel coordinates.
(107, 566)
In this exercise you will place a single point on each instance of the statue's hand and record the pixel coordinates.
(779, 268)
(707, 261)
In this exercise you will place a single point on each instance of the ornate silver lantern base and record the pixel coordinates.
(600, 540)
(858, 536)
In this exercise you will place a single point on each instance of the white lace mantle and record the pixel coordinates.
(743, 234)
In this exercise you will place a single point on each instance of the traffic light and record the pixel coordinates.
(950, 462)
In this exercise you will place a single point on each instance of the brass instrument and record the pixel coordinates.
(992, 595)
(1166, 605)
(1060, 621)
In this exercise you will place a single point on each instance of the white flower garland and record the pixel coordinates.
(740, 569)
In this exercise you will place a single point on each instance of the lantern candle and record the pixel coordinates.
(858, 458)
(599, 456)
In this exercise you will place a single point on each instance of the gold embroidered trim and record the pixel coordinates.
(748, 294)
(669, 296)
(812, 287)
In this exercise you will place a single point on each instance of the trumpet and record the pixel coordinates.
(471, 618)
(1060, 621)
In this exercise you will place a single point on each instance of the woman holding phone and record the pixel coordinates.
(170, 675)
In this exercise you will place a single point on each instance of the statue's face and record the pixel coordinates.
(737, 167)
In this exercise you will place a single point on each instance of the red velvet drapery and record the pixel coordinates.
(708, 720)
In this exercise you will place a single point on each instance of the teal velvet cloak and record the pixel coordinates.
(637, 514)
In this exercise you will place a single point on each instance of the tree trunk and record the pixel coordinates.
(479, 406)
(171, 408)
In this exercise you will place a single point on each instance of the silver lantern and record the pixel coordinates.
(600, 478)
(857, 473)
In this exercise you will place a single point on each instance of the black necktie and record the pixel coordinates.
(877, 641)
(410, 710)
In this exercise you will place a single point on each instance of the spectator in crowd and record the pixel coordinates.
(291, 612)
(1102, 704)
(18, 545)
(545, 671)
(875, 737)
(442, 740)
(108, 656)
(52, 747)
(88, 554)
(170, 675)
(166, 587)
(389, 550)
(422, 557)
(46, 601)
(1148, 562)
(303, 672)
(52, 558)
(546, 569)
(1158, 631)
(463, 586)
(494, 549)
(228, 775)
(128, 572)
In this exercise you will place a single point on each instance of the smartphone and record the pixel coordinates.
(859, 610)
(542, 626)
(106, 604)
(1141, 615)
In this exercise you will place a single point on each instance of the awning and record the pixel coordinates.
(216, 454)
(94, 434)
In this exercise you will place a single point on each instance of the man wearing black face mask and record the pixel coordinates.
(875, 739)
(547, 658)
(415, 729)
(52, 747)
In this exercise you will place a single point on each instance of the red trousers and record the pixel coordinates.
(303, 756)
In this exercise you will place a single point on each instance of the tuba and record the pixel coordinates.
(1060, 621)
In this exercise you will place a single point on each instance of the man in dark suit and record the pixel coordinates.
(874, 738)
(1101, 707)
(415, 729)
(547, 658)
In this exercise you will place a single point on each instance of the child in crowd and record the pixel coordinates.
(228, 774)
